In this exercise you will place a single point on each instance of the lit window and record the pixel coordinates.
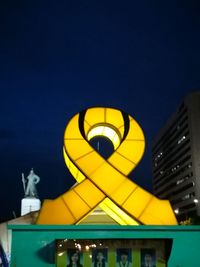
(176, 211)
(186, 197)
(180, 181)
(181, 139)
(189, 166)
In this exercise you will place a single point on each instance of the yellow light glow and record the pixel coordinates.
(106, 131)
(79, 176)
(103, 182)
(116, 213)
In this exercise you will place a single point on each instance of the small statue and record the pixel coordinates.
(30, 190)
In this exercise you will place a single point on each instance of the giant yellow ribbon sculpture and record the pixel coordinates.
(104, 182)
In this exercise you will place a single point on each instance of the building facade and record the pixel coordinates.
(176, 159)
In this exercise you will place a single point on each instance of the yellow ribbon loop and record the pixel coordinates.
(103, 182)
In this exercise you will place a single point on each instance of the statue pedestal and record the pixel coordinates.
(29, 204)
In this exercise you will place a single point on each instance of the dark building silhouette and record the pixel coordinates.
(176, 159)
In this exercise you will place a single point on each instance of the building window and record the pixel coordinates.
(181, 139)
(180, 181)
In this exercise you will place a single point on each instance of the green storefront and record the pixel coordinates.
(49, 245)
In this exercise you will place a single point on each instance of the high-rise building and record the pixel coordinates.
(176, 159)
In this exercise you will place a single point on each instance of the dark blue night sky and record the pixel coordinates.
(60, 57)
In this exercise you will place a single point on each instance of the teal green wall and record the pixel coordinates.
(33, 245)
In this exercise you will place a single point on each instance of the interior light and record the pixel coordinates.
(60, 254)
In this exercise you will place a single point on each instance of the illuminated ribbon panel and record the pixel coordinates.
(103, 182)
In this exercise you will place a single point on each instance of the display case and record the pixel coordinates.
(112, 252)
